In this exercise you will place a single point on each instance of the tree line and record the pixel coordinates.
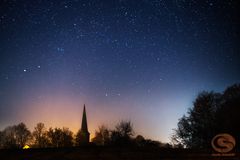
(212, 113)
(17, 136)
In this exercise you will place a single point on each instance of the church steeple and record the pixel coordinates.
(84, 127)
(84, 134)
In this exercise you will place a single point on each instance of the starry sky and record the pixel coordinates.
(138, 60)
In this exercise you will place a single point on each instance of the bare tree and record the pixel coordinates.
(8, 137)
(125, 129)
(15, 136)
(60, 137)
(40, 136)
(66, 138)
(122, 135)
(102, 136)
(22, 134)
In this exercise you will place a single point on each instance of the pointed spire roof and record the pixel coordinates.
(84, 121)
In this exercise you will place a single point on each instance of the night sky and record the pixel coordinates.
(137, 60)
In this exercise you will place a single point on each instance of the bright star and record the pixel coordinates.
(60, 49)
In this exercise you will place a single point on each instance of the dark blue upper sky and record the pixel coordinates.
(140, 60)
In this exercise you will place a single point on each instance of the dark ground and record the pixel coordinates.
(109, 153)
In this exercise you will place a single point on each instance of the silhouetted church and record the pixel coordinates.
(84, 134)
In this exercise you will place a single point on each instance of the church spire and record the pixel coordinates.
(84, 120)
(84, 134)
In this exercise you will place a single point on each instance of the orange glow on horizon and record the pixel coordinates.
(61, 111)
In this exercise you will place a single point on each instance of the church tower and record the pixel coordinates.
(84, 134)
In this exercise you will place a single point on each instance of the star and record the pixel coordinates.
(60, 50)
(123, 52)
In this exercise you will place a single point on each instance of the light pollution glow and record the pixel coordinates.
(55, 57)
(63, 110)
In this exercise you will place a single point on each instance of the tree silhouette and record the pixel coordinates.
(121, 136)
(102, 136)
(15, 136)
(140, 141)
(40, 136)
(60, 137)
(228, 114)
(22, 134)
(66, 138)
(1, 139)
(212, 113)
(8, 137)
(125, 129)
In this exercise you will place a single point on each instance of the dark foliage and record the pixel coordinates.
(212, 113)
(40, 136)
(15, 136)
(121, 136)
(102, 136)
(60, 137)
